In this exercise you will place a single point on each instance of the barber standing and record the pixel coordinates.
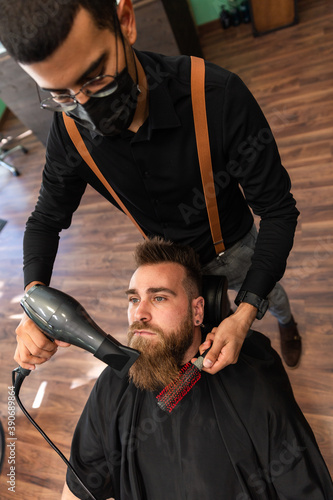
(134, 112)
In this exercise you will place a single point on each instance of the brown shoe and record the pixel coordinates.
(291, 343)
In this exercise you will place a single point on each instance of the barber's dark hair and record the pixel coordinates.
(157, 251)
(31, 30)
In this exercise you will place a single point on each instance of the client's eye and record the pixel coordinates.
(160, 299)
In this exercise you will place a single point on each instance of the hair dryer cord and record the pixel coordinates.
(18, 375)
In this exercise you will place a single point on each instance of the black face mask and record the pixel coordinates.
(111, 114)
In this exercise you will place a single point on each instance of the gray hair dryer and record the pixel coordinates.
(61, 317)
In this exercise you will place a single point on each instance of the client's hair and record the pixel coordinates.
(157, 251)
(31, 30)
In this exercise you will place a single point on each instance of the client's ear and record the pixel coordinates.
(198, 310)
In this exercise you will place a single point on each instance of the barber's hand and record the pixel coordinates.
(33, 347)
(227, 339)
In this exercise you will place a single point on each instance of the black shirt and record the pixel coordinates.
(237, 435)
(156, 174)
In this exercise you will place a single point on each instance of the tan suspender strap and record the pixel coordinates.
(78, 142)
(202, 138)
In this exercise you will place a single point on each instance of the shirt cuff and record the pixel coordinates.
(36, 272)
(258, 282)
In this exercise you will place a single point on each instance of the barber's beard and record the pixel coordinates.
(162, 357)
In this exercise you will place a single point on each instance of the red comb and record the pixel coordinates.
(188, 376)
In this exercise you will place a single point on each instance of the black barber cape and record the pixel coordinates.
(237, 435)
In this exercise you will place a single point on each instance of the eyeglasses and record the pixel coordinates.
(100, 86)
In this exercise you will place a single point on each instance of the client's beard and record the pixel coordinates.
(161, 358)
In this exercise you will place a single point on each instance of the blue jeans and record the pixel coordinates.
(234, 264)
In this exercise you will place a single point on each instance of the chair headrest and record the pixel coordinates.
(217, 306)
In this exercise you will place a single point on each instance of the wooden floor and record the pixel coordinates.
(290, 73)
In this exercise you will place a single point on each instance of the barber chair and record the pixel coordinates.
(217, 305)
(5, 150)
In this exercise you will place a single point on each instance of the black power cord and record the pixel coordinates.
(18, 375)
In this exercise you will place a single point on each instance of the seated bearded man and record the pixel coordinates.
(237, 434)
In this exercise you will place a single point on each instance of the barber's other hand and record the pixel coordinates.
(227, 339)
(33, 347)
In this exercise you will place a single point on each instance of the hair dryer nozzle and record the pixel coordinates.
(121, 360)
(61, 317)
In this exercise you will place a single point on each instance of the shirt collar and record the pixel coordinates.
(162, 113)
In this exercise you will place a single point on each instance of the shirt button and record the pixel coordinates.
(146, 174)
